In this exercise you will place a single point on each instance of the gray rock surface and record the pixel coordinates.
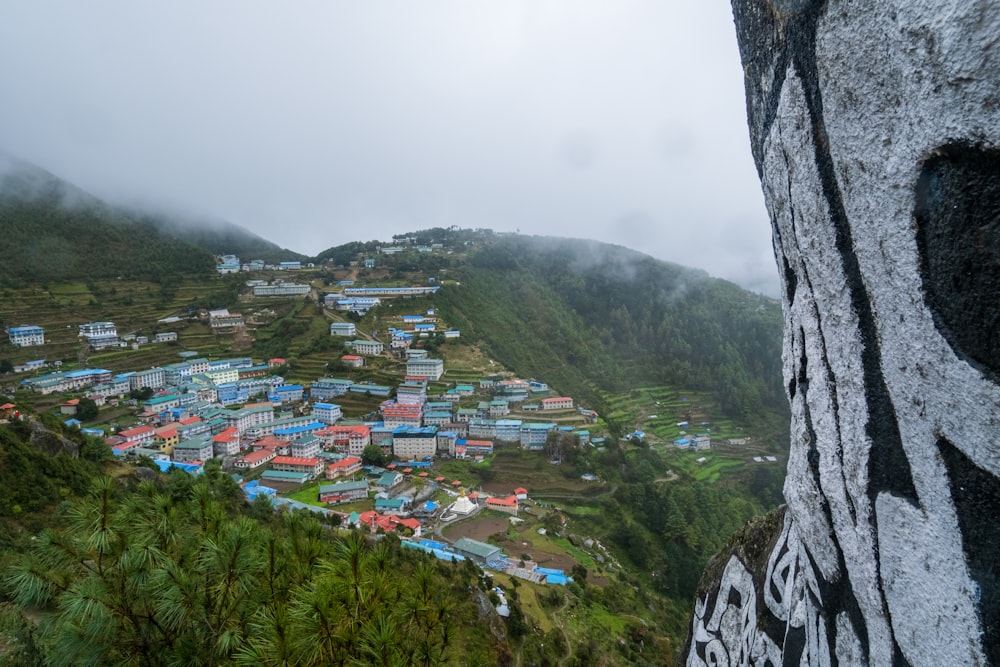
(875, 127)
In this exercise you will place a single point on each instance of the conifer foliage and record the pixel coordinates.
(172, 573)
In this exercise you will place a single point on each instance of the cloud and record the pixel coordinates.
(324, 122)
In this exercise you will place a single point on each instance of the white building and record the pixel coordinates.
(431, 369)
(26, 335)
(343, 329)
(327, 413)
(100, 335)
(368, 348)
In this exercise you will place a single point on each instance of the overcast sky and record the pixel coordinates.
(318, 123)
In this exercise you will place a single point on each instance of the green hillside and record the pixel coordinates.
(644, 343)
(52, 230)
(594, 319)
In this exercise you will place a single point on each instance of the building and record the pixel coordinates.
(226, 443)
(343, 492)
(533, 436)
(312, 466)
(153, 378)
(348, 439)
(199, 448)
(343, 468)
(165, 337)
(359, 305)
(414, 444)
(353, 360)
(222, 321)
(306, 447)
(557, 403)
(432, 369)
(327, 413)
(388, 481)
(389, 291)
(473, 448)
(287, 393)
(508, 504)
(480, 552)
(327, 388)
(367, 348)
(100, 335)
(26, 335)
(402, 414)
(138, 436)
(343, 329)
(281, 289)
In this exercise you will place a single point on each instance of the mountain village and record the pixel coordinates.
(276, 436)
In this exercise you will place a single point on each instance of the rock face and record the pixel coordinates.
(875, 127)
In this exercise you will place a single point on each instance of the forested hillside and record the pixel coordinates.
(52, 230)
(590, 316)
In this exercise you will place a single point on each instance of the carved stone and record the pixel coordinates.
(875, 127)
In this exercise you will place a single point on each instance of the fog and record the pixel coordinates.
(317, 123)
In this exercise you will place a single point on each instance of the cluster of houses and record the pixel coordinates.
(98, 335)
(202, 409)
(232, 264)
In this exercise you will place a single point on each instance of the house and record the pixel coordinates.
(139, 435)
(348, 439)
(165, 439)
(226, 443)
(100, 335)
(327, 388)
(165, 337)
(508, 504)
(391, 505)
(327, 413)
(200, 448)
(367, 348)
(287, 393)
(508, 430)
(353, 360)
(26, 335)
(557, 403)
(533, 436)
(343, 492)
(69, 407)
(222, 321)
(306, 447)
(499, 408)
(255, 459)
(402, 414)
(480, 552)
(272, 444)
(343, 468)
(521, 493)
(473, 448)
(360, 306)
(388, 481)
(414, 443)
(279, 288)
(343, 329)
(432, 369)
(153, 378)
(312, 466)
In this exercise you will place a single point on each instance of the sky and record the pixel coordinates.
(314, 124)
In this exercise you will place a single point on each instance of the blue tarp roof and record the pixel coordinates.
(165, 466)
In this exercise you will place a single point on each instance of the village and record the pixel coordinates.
(278, 437)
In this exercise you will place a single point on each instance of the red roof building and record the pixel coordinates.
(508, 504)
(313, 466)
(343, 467)
(254, 459)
